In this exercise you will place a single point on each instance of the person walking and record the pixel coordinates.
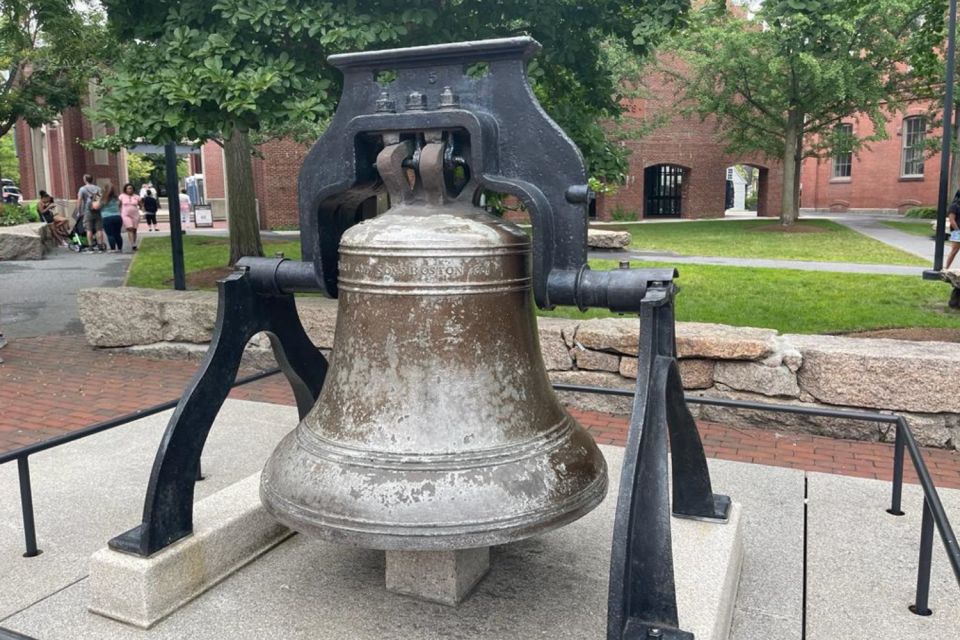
(130, 206)
(150, 207)
(112, 221)
(88, 208)
(953, 229)
(186, 206)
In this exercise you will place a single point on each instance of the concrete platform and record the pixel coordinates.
(88, 491)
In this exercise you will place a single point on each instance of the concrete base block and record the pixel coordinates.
(437, 576)
(231, 528)
(708, 557)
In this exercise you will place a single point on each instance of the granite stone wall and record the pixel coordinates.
(916, 379)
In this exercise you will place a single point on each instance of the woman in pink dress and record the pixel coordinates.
(130, 212)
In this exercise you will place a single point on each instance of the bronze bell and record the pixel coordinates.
(436, 428)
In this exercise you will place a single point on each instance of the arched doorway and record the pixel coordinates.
(663, 191)
(746, 189)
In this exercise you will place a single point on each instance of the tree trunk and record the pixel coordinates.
(790, 196)
(242, 220)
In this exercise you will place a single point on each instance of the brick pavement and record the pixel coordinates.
(55, 384)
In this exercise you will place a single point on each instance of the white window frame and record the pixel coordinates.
(912, 141)
(847, 157)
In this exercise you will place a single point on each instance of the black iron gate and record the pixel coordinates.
(662, 186)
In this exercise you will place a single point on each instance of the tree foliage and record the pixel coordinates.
(195, 69)
(46, 53)
(9, 166)
(780, 82)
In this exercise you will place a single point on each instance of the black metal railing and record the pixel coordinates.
(933, 511)
(23, 454)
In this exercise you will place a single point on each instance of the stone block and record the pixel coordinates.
(21, 242)
(446, 577)
(773, 421)
(319, 318)
(553, 348)
(621, 335)
(724, 342)
(952, 276)
(121, 316)
(776, 381)
(591, 360)
(592, 401)
(188, 316)
(696, 373)
(604, 239)
(896, 375)
(231, 528)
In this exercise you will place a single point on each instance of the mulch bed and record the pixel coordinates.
(205, 278)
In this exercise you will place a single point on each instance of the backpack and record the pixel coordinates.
(95, 201)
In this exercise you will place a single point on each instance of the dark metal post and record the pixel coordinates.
(895, 498)
(923, 570)
(944, 195)
(173, 206)
(26, 503)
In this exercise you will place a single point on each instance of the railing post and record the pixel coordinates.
(923, 570)
(26, 504)
(897, 488)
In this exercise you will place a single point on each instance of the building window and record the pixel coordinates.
(843, 161)
(914, 132)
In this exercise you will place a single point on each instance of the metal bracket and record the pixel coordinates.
(642, 597)
(242, 312)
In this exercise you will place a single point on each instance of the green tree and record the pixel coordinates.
(231, 69)
(151, 167)
(9, 166)
(43, 60)
(139, 168)
(781, 81)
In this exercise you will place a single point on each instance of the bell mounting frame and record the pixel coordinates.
(434, 91)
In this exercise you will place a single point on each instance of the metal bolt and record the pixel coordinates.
(448, 99)
(416, 101)
(385, 104)
(624, 264)
(278, 254)
(654, 633)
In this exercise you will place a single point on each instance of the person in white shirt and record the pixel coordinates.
(185, 207)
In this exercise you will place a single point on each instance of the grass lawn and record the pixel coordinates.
(152, 267)
(917, 228)
(787, 300)
(826, 241)
(801, 301)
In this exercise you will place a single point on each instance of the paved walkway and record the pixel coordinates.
(871, 225)
(56, 384)
(39, 296)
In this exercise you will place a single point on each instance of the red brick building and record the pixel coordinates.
(52, 160)
(891, 175)
(679, 169)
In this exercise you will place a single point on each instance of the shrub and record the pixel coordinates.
(925, 213)
(620, 214)
(11, 214)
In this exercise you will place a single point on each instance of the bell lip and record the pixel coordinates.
(469, 536)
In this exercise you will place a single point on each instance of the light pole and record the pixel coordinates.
(173, 206)
(943, 197)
